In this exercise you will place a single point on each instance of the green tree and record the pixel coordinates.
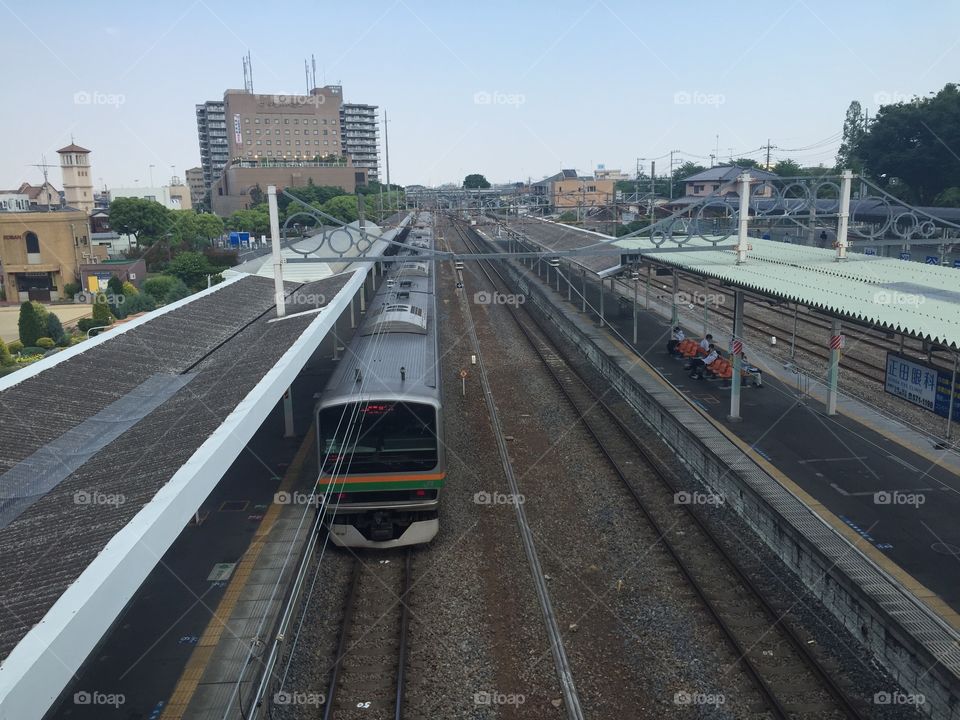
(6, 359)
(30, 324)
(342, 207)
(159, 287)
(908, 148)
(255, 221)
(788, 169)
(209, 227)
(115, 285)
(474, 181)
(192, 268)
(177, 291)
(146, 220)
(54, 329)
(746, 163)
(101, 310)
(681, 173)
(853, 130)
(948, 198)
(139, 303)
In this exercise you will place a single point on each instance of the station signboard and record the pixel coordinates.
(932, 260)
(869, 251)
(921, 384)
(904, 256)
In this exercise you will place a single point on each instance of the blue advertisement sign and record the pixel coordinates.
(869, 251)
(904, 256)
(921, 384)
(932, 260)
(239, 238)
(956, 263)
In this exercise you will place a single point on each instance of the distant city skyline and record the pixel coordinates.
(513, 92)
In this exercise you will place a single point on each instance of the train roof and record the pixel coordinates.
(394, 350)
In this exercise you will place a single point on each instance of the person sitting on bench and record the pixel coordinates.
(699, 365)
(675, 339)
(750, 373)
(706, 342)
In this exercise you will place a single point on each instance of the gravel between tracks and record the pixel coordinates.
(835, 647)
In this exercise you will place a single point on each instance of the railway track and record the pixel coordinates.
(791, 681)
(571, 699)
(367, 676)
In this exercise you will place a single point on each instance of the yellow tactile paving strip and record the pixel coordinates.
(196, 666)
(905, 579)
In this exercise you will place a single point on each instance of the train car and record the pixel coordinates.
(380, 418)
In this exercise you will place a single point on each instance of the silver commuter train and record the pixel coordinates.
(380, 419)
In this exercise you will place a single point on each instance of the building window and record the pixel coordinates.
(324, 132)
(288, 142)
(269, 142)
(257, 121)
(266, 121)
(286, 121)
(314, 121)
(258, 131)
(32, 241)
(247, 120)
(698, 188)
(259, 143)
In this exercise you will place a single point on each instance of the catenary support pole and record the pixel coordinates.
(843, 221)
(834, 372)
(275, 245)
(744, 219)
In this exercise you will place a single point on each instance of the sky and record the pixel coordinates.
(512, 90)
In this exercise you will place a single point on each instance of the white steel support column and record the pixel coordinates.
(834, 371)
(583, 289)
(735, 381)
(636, 282)
(569, 282)
(353, 317)
(744, 219)
(288, 413)
(275, 244)
(843, 221)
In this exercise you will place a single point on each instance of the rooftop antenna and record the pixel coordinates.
(248, 73)
(44, 166)
(313, 59)
(306, 75)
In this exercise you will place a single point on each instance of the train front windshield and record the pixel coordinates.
(378, 437)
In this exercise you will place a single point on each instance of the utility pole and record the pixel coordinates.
(386, 147)
(653, 177)
(671, 173)
(768, 153)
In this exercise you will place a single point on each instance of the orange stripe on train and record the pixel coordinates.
(351, 479)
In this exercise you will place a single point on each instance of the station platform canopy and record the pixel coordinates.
(109, 447)
(323, 243)
(913, 298)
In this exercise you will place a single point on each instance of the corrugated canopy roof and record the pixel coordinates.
(900, 295)
(909, 297)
